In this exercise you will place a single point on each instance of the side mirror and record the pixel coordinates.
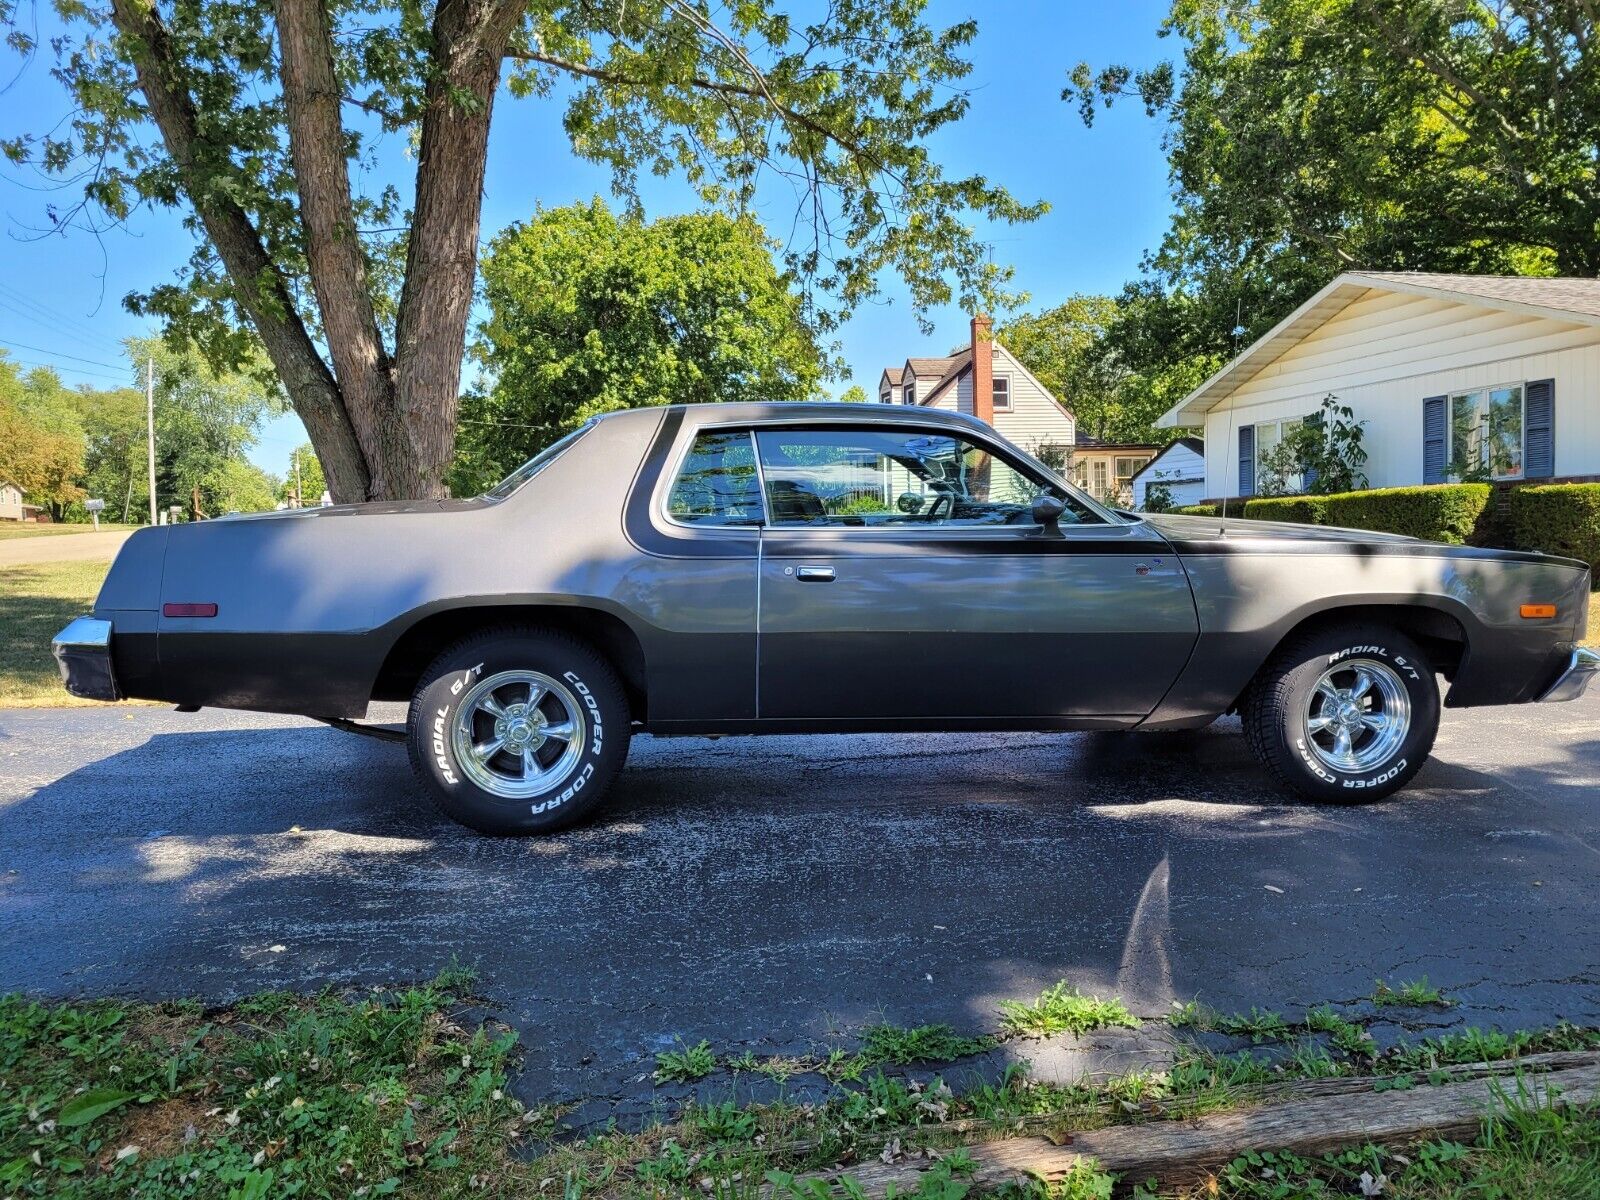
(1047, 510)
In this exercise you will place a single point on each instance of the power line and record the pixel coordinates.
(56, 318)
(29, 362)
(95, 362)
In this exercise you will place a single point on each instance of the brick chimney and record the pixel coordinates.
(983, 368)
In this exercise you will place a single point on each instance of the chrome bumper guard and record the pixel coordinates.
(83, 653)
(1581, 668)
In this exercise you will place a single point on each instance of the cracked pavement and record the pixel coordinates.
(778, 894)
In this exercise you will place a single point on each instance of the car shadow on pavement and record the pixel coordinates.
(778, 894)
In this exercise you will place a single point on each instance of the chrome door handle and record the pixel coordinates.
(814, 574)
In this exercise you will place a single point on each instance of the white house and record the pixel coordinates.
(11, 506)
(985, 380)
(1498, 373)
(1180, 468)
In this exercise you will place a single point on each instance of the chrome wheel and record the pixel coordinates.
(518, 733)
(1358, 715)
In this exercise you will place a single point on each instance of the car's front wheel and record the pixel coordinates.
(518, 731)
(1344, 715)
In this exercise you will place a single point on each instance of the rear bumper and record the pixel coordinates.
(83, 654)
(1574, 679)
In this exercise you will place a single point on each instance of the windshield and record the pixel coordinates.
(535, 464)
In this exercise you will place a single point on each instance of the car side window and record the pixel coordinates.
(896, 477)
(717, 483)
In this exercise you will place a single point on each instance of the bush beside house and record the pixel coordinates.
(1301, 510)
(1197, 510)
(1561, 518)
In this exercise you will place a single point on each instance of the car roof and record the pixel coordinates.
(807, 410)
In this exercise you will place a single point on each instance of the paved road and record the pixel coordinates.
(762, 892)
(62, 547)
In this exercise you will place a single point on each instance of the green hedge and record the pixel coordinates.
(1560, 518)
(1449, 512)
(1197, 510)
(1302, 510)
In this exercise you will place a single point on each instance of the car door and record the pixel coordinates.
(903, 578)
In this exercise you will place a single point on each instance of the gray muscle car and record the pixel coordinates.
(792, 568)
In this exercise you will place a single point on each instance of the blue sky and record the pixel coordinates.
(60, 297)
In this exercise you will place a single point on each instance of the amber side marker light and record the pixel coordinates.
(192, 610)
(1533, 612)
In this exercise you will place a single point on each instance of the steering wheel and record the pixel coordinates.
(943, 506)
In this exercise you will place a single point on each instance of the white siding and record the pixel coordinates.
(1034, 419)
(1388, 351)
(10, 503)
(1182, 470)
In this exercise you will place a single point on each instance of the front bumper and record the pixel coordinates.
(1581, 668)
(83, 653)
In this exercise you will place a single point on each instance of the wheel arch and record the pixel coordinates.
(422, 636)
(1441, 629)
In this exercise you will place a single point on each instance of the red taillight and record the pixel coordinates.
(188, 610)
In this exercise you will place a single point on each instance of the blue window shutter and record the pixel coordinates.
(1247, 460)
(1435, 439)
(1539, 430)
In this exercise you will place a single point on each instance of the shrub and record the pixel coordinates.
(1303, 510)
(1197, 510)
(1560, 518)
(1449, 512)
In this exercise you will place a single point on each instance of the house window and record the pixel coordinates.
(1269, 436)
(1098, 487)
(1486, 433)
(1127, 468)
(911, 392)
(1002, 394)
(885, 396)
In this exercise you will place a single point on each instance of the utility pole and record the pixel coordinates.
(150, 429)
(299, 499)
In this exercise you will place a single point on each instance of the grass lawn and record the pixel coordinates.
(17, 529)
(401, 1092)
(36, 601)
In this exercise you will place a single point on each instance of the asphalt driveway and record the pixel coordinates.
(763, 893)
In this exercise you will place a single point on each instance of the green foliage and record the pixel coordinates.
(1197, 510)
(1158, 497)
(1449, 512)
(685, 1064)
(1324, 452)
(302, 476)
(1562, 518)
(1415, 993)
(1082, 352)
(1302, 510)
(1308, 138)
(1064, 1009)
(854, 394)
(309, 1096)
(41, 436)
(590, 312)
(925, 1043)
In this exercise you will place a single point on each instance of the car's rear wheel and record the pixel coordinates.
(518, 731)
(1344, 715)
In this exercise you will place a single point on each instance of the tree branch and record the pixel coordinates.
(259, 288)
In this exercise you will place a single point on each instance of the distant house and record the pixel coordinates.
(11, 506)
(985, 380)
(1180, 468)
(1493, 376)
(1106, 469)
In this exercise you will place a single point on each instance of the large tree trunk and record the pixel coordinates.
(338, 264)
(469, 39)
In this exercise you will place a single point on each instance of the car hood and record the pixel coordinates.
(1181, 528)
